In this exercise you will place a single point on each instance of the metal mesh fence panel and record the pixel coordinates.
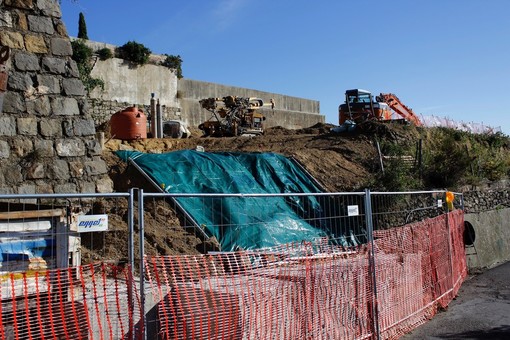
(94, 301)
(271, 293)
(65, 270)
(382, 264)
(419, 264)
(227, 222)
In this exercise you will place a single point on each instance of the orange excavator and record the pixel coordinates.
(359, 106)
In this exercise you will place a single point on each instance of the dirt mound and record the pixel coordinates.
(338, 161)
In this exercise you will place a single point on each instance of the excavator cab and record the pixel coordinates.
(360, 106)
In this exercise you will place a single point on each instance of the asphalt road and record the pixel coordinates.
(480, 311)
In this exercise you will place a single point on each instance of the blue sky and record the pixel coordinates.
(448, 58)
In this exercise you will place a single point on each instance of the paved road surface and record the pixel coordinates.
(480, 311)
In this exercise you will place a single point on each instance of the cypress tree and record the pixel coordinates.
(82, 28)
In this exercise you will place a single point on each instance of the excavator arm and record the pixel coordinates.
(396, 105)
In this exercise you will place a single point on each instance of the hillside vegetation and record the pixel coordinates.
(412, 158)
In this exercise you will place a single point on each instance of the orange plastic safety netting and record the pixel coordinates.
(259, 295)
(296, 291)
(312, 291)
(419, 268)
(87, 302)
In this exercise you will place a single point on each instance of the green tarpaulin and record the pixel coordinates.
(238, 222)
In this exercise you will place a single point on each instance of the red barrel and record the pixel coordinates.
(129, 124)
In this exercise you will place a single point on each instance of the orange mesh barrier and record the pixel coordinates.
(261, 295)
(296, 291)
(419, 268)
(89, 302)
(312, 291)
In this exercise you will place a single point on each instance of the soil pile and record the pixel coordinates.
(338, 161)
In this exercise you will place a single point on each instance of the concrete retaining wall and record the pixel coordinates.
(124, 82)
(290, 112)
(128, 83)
(492, 238)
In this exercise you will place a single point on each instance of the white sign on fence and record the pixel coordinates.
(352, 210)
(89, 223)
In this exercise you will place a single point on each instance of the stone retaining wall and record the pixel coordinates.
(47, 136)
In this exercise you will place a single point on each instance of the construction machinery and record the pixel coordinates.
(234, 116)
(360, 106)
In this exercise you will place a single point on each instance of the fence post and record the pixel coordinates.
(131, 258)
(143, 321)
(371, 259)
(449, 235)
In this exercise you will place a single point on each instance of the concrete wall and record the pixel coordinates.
(492, 238)
(290, 112)
(124, 82)
(128, 83)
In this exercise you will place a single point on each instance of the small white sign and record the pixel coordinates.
(439, 203)
(352, 210)
(90, 223)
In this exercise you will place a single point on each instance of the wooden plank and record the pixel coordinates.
(12, 215)
(24, 226)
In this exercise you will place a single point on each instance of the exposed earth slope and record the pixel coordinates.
(339, 162)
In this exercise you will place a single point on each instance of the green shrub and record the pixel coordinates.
(82, 55)
(446, 162)
(398, 174)
(134, 52)
(104, 53)
(173, 62)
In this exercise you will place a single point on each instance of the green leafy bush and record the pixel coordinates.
(134, 52)
(82, 55)
(173, 62)
(104, 53)
(398, 175)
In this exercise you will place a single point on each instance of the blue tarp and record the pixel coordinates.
(238, 222)
(26, 249)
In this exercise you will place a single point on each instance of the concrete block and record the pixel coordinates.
(49, 8)
(73, 87)
(27, 126)
(14, 103)
(7, 126)
(62, 106)
(50, 128)
(492, 238)
(70, 147)
(61, 47)
(12, 39)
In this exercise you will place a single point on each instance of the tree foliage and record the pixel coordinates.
(82, 55)
(104, 53)
(134, 52)
(173, 62)
(82, 28)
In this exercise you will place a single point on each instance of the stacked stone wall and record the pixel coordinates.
(48, 138)
(103, 110)
(476, 201)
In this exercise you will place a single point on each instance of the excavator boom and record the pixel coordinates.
(396, 105)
